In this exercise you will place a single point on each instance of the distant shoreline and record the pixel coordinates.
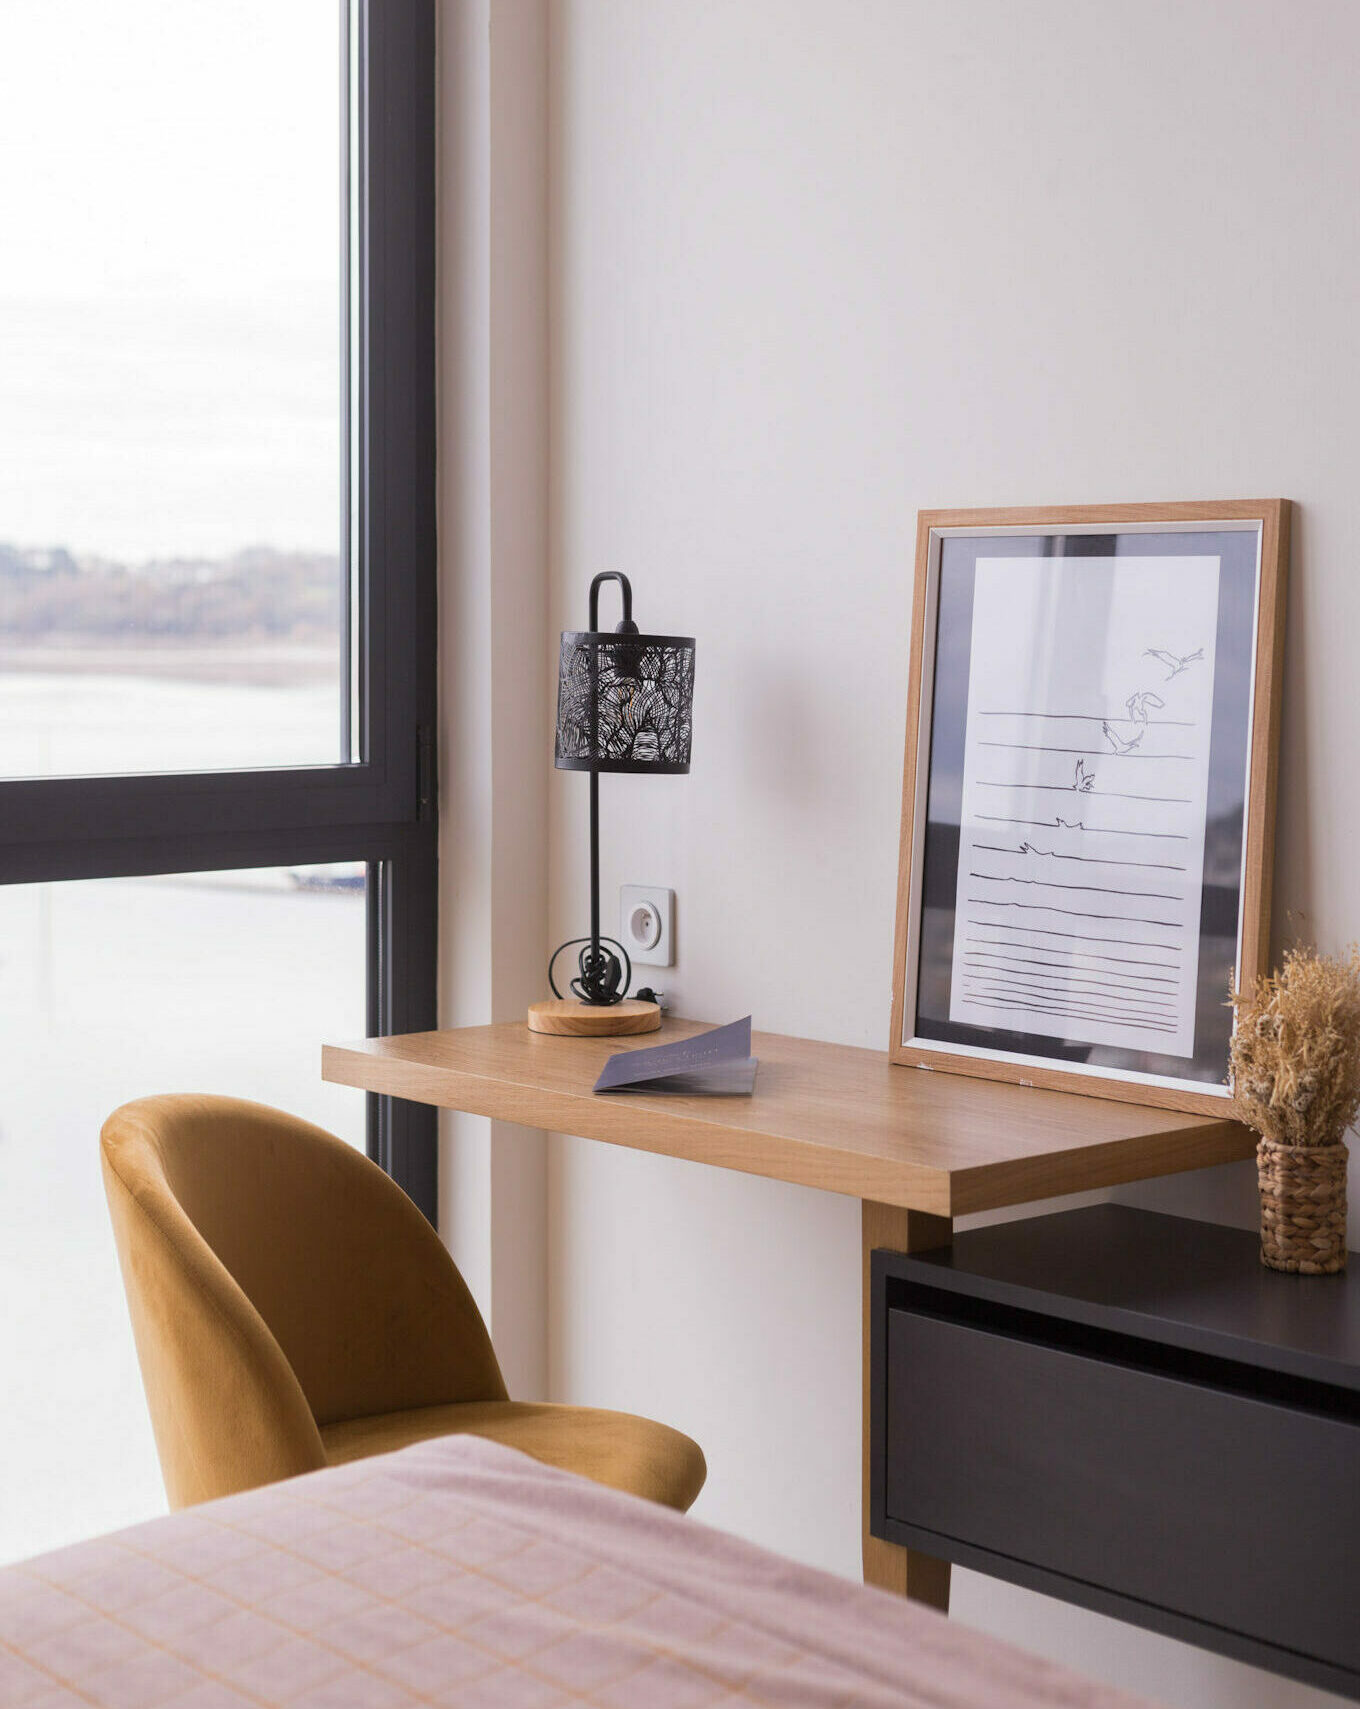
(247, 664)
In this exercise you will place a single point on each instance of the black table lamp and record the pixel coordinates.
(624, 703)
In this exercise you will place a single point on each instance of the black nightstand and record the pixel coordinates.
(1127, 1411)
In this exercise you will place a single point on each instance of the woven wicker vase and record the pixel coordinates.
(1303, 1207)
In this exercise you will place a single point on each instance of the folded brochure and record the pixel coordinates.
(716, 1063)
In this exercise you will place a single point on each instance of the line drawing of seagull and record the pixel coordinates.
(1082, 780)
(1174, 665)
(1137, 705)
(1117, 743)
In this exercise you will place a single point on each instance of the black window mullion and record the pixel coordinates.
(194, 804)
(153, 856)
(402, 1136)
(397, 258)
(398, 378)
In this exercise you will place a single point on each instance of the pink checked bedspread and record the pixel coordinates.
(460, 1572)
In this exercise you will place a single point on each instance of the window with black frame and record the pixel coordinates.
(217, 693)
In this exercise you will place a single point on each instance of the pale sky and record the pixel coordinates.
(169, 275)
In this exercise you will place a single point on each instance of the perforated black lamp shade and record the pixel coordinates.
(625, 702)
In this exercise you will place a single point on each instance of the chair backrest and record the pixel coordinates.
(277, 1281)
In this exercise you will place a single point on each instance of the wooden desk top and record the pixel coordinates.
(822, 1115)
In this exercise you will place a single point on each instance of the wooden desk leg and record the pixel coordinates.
(921, 1577)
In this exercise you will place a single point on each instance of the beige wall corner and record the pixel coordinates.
(494, 712)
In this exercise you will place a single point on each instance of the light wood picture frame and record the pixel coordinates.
(1133, 653)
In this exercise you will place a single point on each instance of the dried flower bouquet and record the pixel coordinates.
(1296, 1083)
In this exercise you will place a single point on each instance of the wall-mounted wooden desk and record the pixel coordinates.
(918, 1148)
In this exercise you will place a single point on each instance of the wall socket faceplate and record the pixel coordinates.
(647, 924)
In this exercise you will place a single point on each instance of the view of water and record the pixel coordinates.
(213, 709)
(112, 989)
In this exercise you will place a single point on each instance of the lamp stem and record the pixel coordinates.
(595, 864)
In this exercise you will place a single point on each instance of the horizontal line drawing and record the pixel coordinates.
(1094, 718)
(1112, 1017)
(1087, 860)
(1110, 1003)
(1086, 937)
(1001, 959)
(1145, 1023)
(1098, 830)
(1094, 889)
(1066, 789)
(1154, 1002)
(1063, 1013)
(1089, 991)
(1075, 1007)
(1140, 1003)
(1119, 754)
(1076, 913)
(1115, 946)
(1083, 955)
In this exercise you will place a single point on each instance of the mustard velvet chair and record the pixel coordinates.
(292, 1310)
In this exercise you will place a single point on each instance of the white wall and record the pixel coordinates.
(815, 264)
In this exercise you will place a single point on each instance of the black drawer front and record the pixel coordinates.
(1229, 1509)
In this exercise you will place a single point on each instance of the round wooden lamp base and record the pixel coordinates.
(568, 1018)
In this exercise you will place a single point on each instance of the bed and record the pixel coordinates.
(460, 1572)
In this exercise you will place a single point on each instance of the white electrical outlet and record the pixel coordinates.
(647, 923)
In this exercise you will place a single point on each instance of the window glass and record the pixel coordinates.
(110, 990)
(171, 385)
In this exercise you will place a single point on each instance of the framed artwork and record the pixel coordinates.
(1089, 793)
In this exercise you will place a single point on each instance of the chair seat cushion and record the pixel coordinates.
(612, 1448)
